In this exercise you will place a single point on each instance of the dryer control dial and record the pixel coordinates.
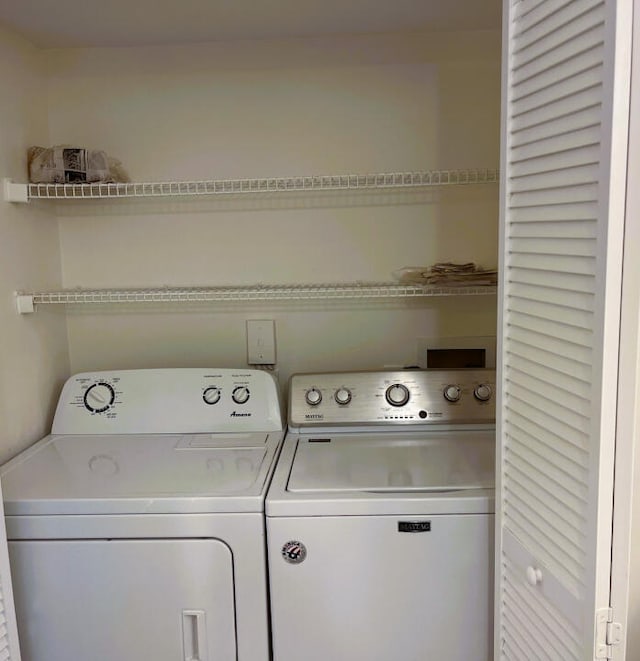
(397, 394)
(240, 395)
(212, 395)
(99, 397)
(313, 396)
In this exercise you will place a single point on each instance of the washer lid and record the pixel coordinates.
(434, 462)
(136, 473)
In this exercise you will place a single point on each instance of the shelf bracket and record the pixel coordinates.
(15, 192)
(24, 303)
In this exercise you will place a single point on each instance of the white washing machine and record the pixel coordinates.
(380, 518)
(136, 529)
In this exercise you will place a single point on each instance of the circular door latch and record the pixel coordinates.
(294, 552)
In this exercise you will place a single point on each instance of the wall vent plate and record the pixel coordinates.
(457, 352)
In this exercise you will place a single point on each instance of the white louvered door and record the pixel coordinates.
(565, 105)
(9, 647)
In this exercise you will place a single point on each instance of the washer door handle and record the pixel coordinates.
(194, 635)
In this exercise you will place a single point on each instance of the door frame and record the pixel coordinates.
(626, 511)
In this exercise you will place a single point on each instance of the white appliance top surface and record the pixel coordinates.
(140, 473)
(445, 461)
(385, 473)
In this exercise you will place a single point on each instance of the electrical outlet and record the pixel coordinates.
(261, 342)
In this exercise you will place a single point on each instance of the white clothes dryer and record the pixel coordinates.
(380, 518)
(136, 529)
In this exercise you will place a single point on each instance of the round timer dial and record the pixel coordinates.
(99, 397)
(397, 394)
(483, 392)
(342, 396)
(211, 395)
(452, 393)
(313, 397)
(240, 395)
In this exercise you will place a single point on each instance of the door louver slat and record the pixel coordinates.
(575, 212)
(558, 64)
(524, 426)
(549, 351)
(558, 108)
(567, 434)
(552, 389)
(533, 14)
(549, 512)
(552, 229)
(6, 647)
(557, 126)
(564, 297)
(575, 463)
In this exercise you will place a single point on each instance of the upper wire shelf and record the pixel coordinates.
(16, 192)
(26, 302)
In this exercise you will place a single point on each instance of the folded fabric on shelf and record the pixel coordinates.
(447, 274)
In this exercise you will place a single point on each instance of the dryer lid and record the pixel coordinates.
(431, 462)
(134, 472)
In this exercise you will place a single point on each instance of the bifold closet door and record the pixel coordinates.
(9, 646)
(565, 112)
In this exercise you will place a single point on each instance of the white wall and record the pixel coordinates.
(277, 108)
(33, 349)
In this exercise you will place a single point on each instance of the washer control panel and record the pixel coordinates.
(393, 397)
(188, 400)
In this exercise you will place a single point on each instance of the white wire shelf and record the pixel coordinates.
(26, 302)
(16, 192)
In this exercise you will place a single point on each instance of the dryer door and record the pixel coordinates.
(127, 599)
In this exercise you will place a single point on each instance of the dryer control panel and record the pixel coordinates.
(189, 400)
(393, 397)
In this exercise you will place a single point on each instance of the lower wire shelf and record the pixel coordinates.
(27, 301)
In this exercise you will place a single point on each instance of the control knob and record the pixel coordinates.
(212, 395)
(342, 396)
(313, 397)
(99, 397)
(240, 395)
(483, 392)
(397, 394)
(452, 393)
